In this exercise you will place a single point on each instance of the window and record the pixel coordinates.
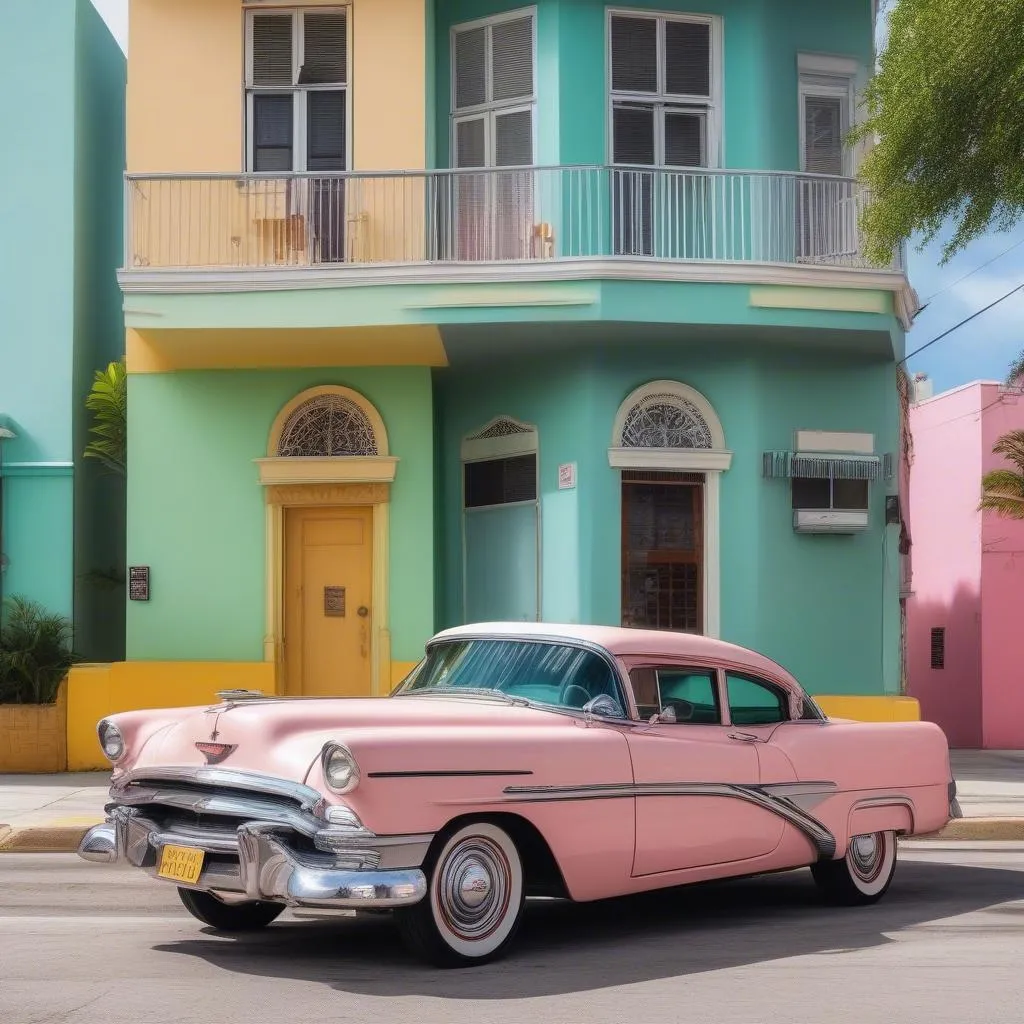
(296, 90)
(753, 702)
(824, 123)
(664, 87)
(549, 673)
(501, 481)
(691, 693)
(493, 92)
(938, 647)
(827, 493)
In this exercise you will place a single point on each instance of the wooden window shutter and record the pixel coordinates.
(272, 50)
(470, 70)
(634, 54)
(687, 58)
(325, 61)
(512, 59)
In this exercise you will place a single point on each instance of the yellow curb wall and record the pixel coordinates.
(871, 709)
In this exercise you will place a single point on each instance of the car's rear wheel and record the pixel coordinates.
(474, 902)
(249, 916)
(863, 875)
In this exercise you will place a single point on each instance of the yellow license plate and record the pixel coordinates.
(181, 864)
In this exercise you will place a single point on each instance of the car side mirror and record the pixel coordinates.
(603, 705)
(667, 716)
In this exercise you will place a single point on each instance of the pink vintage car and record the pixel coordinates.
(515, 760)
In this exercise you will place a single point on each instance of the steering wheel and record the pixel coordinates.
(572, 695)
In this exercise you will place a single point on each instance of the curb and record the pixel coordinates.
(65, 838)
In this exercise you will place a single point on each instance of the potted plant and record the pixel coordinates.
(35, 655)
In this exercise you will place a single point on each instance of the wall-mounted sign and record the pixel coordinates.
(567, 476)
(138, 583)
(334, 602)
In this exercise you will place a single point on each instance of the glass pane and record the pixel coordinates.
(272, 49)
(634, 54)
(501, 481)
(513, 139)
(470, 143)
(687, 58)
(851, 495)
(684, 139)
(809, 492)
(470, 68)
(662, 557)
(326, 49)
(272, 132)
(823, 135)
(325, 130)
(512, 59)
(633, 135)
(754, 703)
(692, 695)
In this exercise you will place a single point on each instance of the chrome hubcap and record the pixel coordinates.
(474, 884)
(866, 856)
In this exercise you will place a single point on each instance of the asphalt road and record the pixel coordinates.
(91, 945)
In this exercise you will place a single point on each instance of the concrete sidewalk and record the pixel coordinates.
(50, 813)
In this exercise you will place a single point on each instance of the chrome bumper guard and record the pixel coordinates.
(258, 862)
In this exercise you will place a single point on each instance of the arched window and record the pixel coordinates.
(667, 415)
(328, 422)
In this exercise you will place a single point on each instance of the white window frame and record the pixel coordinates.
(490, 110)
(824, 76)
(711, 107)
(299, 93)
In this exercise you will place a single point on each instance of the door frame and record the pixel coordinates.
(279, 498)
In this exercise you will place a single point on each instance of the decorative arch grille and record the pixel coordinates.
(665, 421)
(504, 427)
(327, 426)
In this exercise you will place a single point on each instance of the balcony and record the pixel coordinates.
(512, 222)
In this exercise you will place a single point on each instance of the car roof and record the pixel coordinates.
(621, 640)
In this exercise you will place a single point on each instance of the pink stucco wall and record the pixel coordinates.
(945, 529)
(1002, 590)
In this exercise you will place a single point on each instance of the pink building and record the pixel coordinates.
(964, 614)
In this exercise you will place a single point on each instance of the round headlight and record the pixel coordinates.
(111, 741)
(341, 772)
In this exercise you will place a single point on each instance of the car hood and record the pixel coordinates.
(283, 737)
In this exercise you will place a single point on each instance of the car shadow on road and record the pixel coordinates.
(564, 948)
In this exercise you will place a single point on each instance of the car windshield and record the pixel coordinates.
(547, 673)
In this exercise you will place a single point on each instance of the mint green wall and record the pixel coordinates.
(99, 508)
(60, 211)
(761, 40)
(198, 513)
(818, 605)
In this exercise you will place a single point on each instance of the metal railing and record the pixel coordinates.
(507, 215)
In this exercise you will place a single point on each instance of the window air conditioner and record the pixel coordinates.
(829, 520)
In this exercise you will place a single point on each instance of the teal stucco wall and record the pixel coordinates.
(761, 39)
(198, 516)
(824, 606)
(60, 207)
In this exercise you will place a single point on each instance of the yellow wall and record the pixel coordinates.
(871, 709)
(186, 74)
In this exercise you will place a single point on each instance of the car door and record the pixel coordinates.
(690, 774)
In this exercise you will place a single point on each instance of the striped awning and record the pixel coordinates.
(831, 466)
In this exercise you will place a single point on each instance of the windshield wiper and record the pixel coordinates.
(467, 691)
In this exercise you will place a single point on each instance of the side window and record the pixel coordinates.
(691, 693)
(754, 702)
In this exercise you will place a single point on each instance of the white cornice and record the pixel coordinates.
(680, 460)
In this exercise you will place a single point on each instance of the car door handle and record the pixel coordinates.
(746, 737)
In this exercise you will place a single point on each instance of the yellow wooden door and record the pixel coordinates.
(328, 579)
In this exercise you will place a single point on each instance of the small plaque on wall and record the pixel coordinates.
(334, 601)
(138, 583)
(567, 476)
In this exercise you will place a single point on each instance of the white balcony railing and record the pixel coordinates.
(509, 215)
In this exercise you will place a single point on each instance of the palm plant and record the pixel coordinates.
(1003, 489)
(35, 653)
(108, 402)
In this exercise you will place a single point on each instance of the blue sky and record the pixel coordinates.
(981, 350)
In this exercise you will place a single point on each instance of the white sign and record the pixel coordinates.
(567, 476)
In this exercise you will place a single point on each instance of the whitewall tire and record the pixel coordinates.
(863, 875)
(475, 899)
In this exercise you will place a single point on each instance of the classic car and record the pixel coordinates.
(516, 760)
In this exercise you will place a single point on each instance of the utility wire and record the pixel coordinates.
(971, 273)
(956, 327)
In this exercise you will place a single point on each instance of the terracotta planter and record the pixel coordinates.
(33, 737)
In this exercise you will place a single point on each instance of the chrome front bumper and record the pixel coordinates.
(258, 861)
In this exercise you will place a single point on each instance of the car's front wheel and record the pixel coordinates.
(474, 902)
(249, 916)
(863, 875)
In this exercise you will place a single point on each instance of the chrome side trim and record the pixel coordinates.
(226, 778)
(782, 806)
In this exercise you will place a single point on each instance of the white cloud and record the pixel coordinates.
(115, 14)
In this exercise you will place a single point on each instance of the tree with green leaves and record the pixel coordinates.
(1003, 489)
(108, 402)
(947, 110)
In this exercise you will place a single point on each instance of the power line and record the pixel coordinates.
(970, 273)
(956, 327)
